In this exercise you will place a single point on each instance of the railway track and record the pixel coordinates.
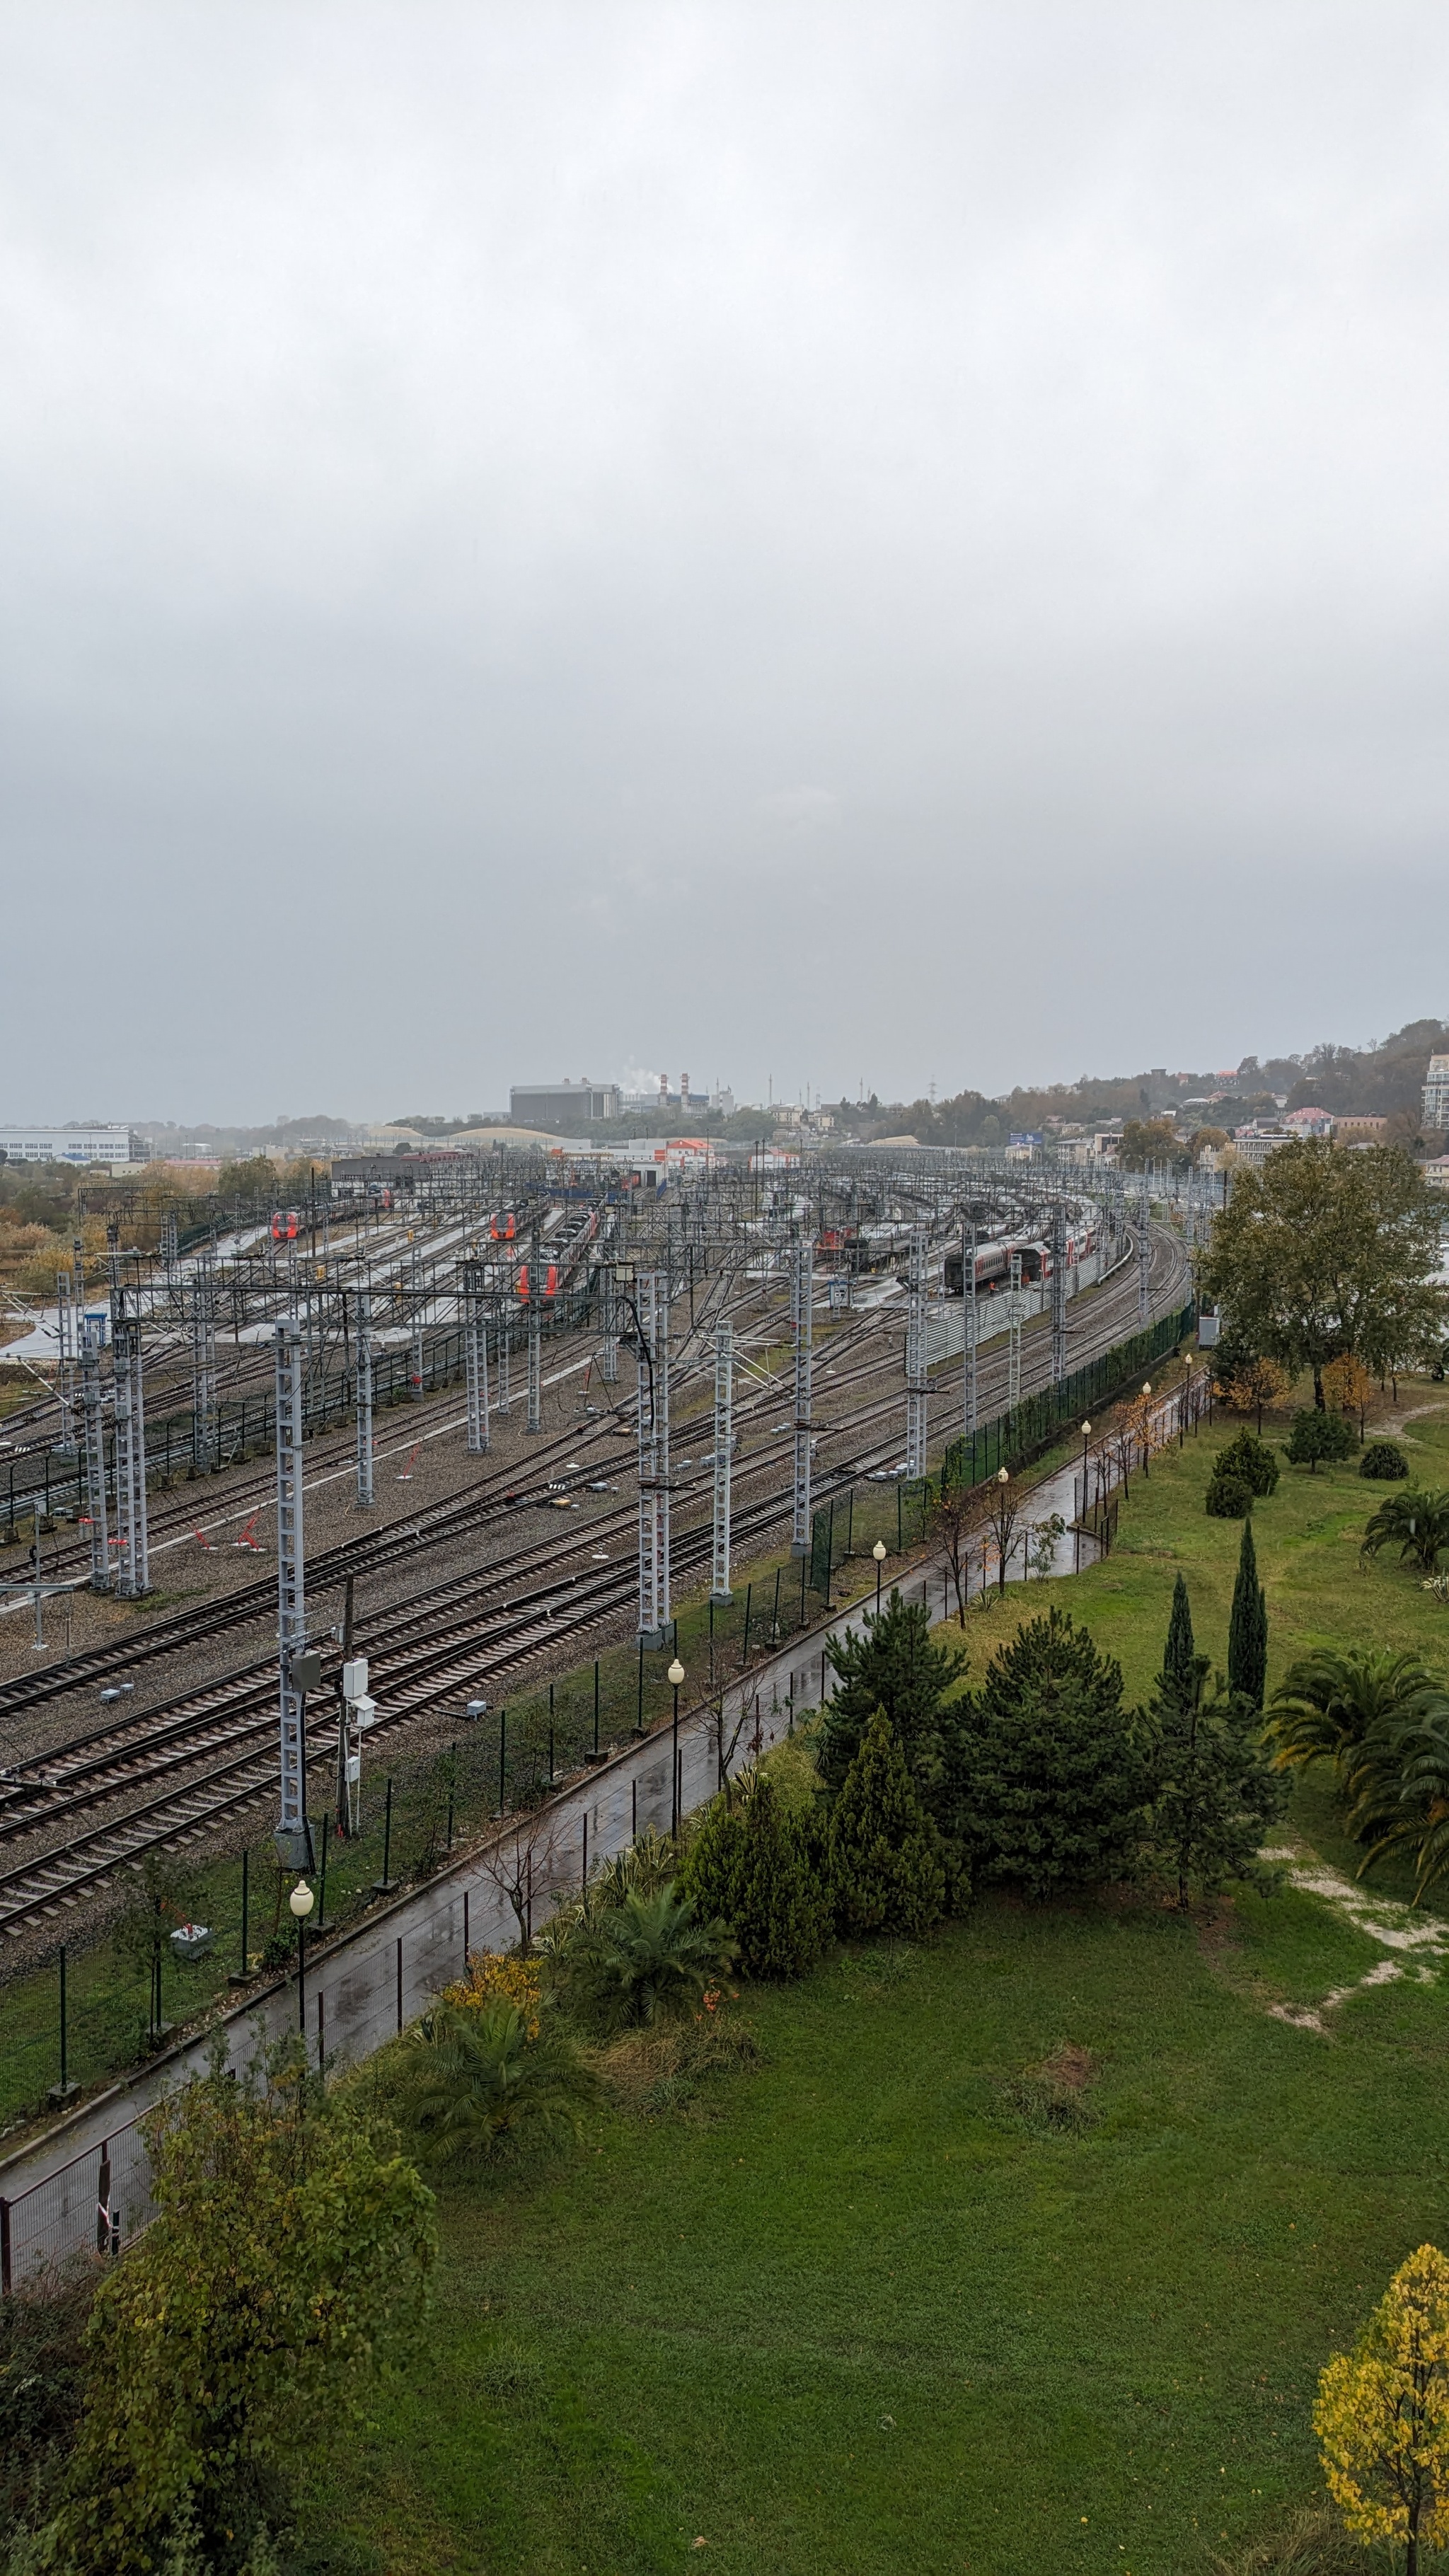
(441, 1642)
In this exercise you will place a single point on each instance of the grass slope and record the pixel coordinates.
(862, 2311)
(869, 2308)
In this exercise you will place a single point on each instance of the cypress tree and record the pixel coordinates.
(1248, 1627)
(1214, 1787)
(1177, 1661)
(886, 1866)
(756, 1866)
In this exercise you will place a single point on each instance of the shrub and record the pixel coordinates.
(1228, 1498)
(1318, 1435)
(246, 2325)
(662, 2068)
(1054, 1780)
(1384, 1462)
(1252, 1461)
(1416, 1522)
(887, 1871)
(760, 1869)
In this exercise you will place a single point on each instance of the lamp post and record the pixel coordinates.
(879, 1553)
(1086, 1483)
(1146, 1429)
(676, 1676)
(301, 1901)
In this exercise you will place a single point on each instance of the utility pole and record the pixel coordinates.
(297, 1670)
(724, 1370)
(1144, 1259)
(503, 1342)
(364, 1397)
(93, 1431)
(652, 1314)
(802, 1317)
(475, 1358)
(1013, 1346)
(918, 1392)
(133, 1552)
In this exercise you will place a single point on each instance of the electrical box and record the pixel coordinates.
(364, 1710)
(354, 1678)
(354, 1769)
(305, 1671)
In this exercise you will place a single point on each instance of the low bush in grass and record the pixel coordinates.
(1229, 1498)
(1383, 1462)
(1314, 1436)
(1251, 1461)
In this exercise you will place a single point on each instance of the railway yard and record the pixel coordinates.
(522, 1517)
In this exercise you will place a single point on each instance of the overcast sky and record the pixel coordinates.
(803, 541)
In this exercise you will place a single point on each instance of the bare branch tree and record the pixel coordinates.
(524, 1864)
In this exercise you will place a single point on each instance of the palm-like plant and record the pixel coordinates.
(651, 1954)
(1329, 1703)
(476, 2090)
(1417, 1523)
(1400, 1791)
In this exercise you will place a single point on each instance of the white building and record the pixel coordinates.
(107, 1148)
(1436, 1093)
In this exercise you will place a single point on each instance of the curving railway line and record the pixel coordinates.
(208, 1755)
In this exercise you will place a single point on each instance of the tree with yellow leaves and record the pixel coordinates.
(1348, 1387)
(1382, 2416)
(1256, 1383)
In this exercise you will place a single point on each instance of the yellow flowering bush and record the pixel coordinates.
(496, 1976)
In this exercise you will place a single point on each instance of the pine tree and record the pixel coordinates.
(886, 1866)
(1052, 1780)
(893, 1666)
(1214, 1787)
(758, 1867)
(1248, 1627)
(1177, 1661)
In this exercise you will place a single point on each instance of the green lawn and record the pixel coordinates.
(860, 2310)
(857, 2312)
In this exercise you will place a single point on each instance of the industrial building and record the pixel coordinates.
(564, 1108)
(113, 1149)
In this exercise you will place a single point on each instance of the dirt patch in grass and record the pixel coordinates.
(1051, 2098)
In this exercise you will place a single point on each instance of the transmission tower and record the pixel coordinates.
(918, 1393)
(203, 1369)
(364, 1397)
(609, 1309)
(1013, 1345)
(653, 1425)
(724, 1373)
(1059, 1291)
(65, 1334)
(969, 1321)
(133, 1551)
(802, 1318)
(295, 1668)
(475, 1358)
(535, 1338)
(93, 1431)
(415, 1281)
(503, 1344)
